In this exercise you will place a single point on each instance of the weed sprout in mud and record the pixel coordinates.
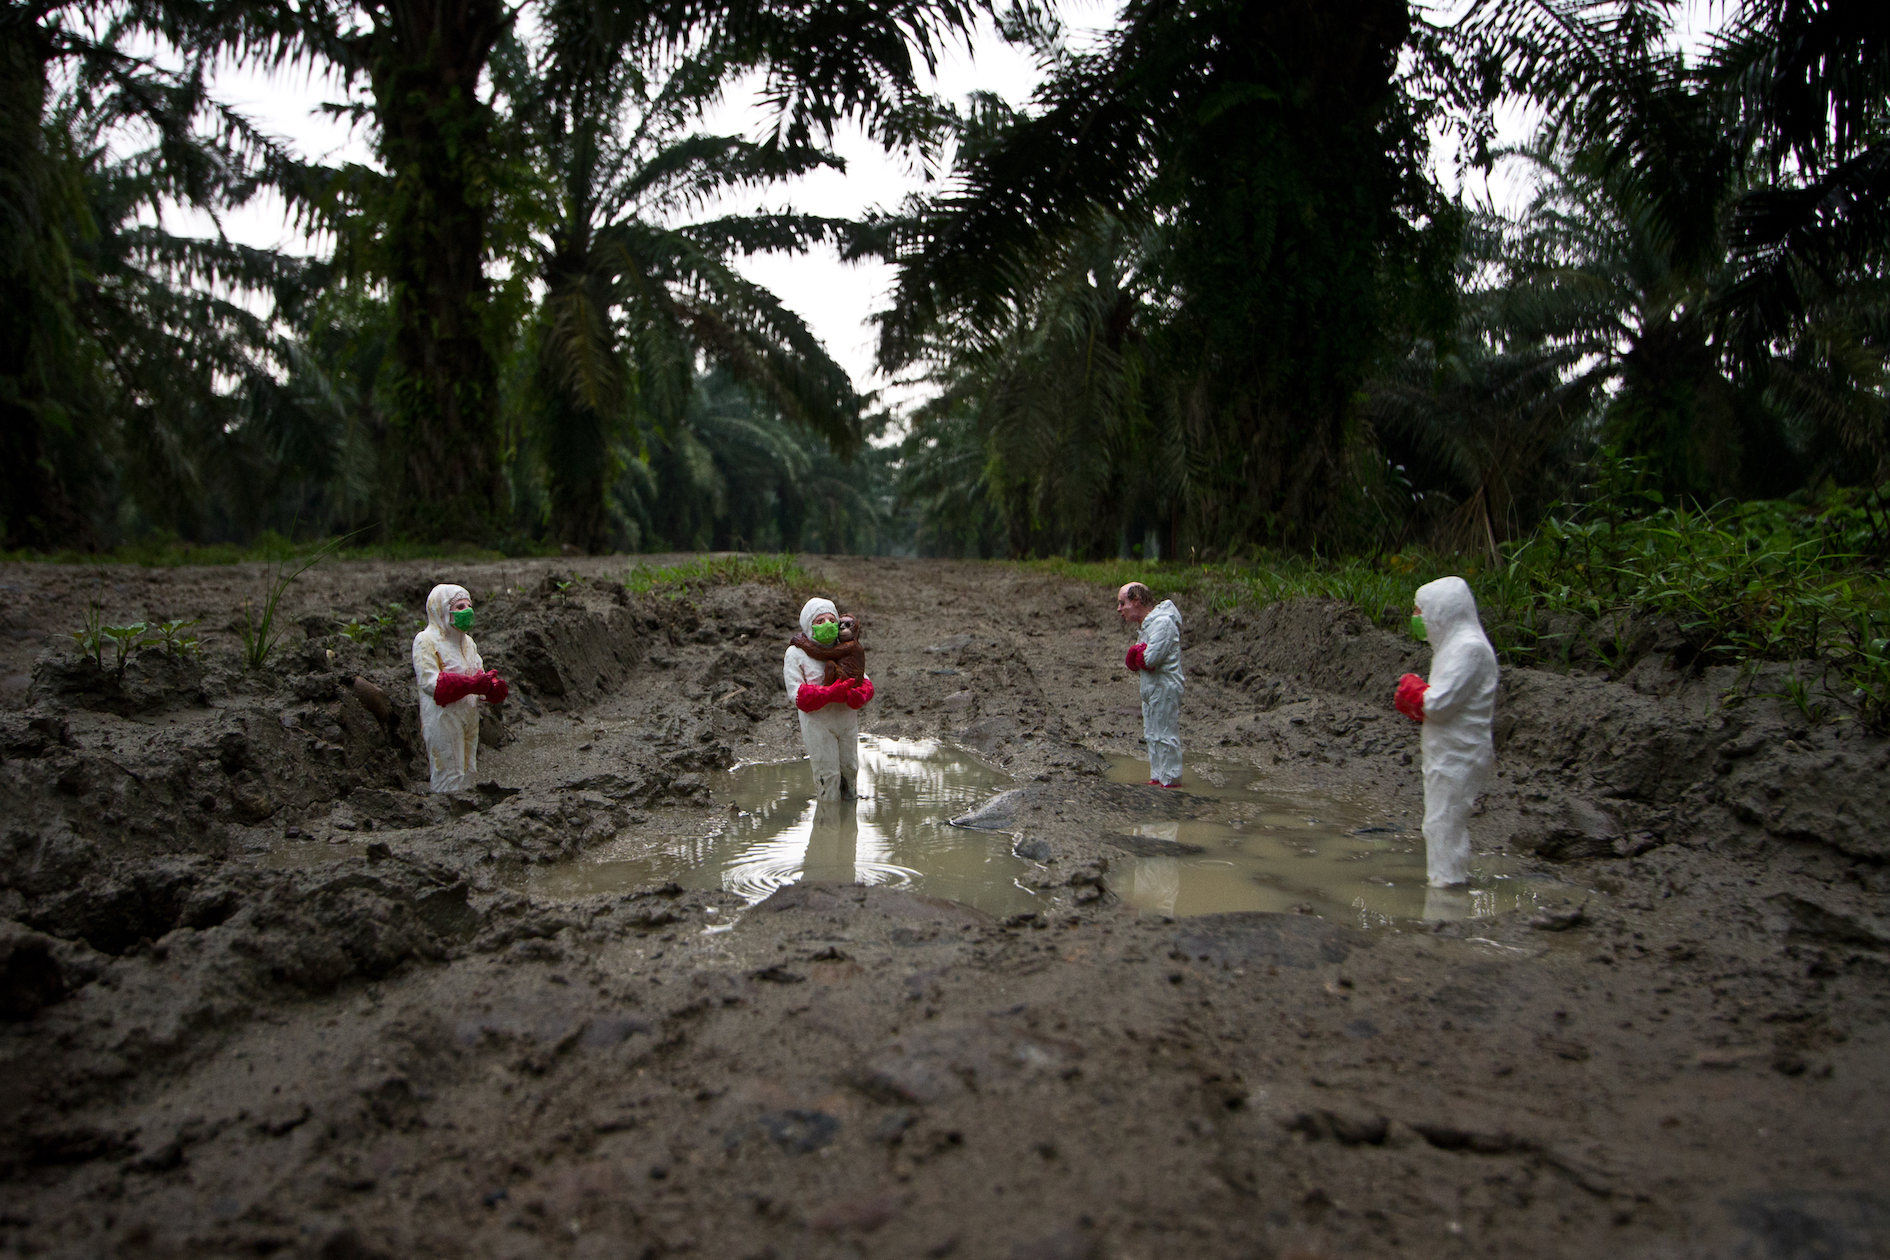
(91, 634)
(170, 636)
(124, 641)
(374, 629)
(94, 637)
(259, 631)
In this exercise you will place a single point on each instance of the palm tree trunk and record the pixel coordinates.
(436, 144)
(35, 508)
(577, 457)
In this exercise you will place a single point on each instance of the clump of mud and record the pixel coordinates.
(123, 787)
(1593, 768)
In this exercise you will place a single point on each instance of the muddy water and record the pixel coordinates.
(1258, 849)
(895, 834)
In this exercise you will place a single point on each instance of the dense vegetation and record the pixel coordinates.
(1205, 297)
(1271, 329)
(505, 346)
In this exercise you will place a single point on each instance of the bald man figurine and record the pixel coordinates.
(1156, 660)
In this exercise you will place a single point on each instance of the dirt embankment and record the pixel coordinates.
(1593, 768)
(263, 996)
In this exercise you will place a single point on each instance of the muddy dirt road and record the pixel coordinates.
(263, 995)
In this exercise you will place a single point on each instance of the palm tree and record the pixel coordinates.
(941, 481)
(456, 181)
(636, 289)
(1798, 94)
(1497, 416)
(1279, 153)
(1809, 84)
(733, 474)
(1832, 383)
(151, 390)
(1049, 409)
(1629, 285)
(114, 354)
(1590, 272)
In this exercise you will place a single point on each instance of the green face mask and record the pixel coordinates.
(1417, 628)
(463, 619)
(826, 633)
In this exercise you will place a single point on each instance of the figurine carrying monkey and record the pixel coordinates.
(828, 700)
(845, 657)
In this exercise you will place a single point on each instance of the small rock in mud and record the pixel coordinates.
(1804, 917)
(373, 699)
(1149, 846)
(30, 977)
(1558, 920)
(1252, 937)
(1347, 1130)
(1065, 1244)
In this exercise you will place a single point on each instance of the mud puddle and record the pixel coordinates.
(894, 835)
(1259, 849)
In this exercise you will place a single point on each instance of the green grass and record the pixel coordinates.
(1741, 585)
(679, 579)
(1737, 585)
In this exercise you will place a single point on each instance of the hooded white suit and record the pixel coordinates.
(1459, 702)
(831, 734)
(1161, 682)
(451, 731)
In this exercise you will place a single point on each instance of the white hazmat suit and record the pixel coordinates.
(1459, 701)
(451, 731)
(831, 734)
(1161, 683)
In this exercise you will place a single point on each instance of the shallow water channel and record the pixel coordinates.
(1249, 847)
(1253, 848)
(895, 834)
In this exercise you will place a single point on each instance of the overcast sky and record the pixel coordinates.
(836, 299)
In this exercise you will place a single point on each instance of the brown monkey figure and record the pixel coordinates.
(846, 658)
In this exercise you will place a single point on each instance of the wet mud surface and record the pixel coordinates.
(773, 833)
(260, 994)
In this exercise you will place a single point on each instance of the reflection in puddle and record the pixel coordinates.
(1264, 850)
(895, 835)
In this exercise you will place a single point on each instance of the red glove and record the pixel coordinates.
(450, 687)
(1134, 659)
(493, 687)
(857, 698)
(1409, 699)
(813, 696)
